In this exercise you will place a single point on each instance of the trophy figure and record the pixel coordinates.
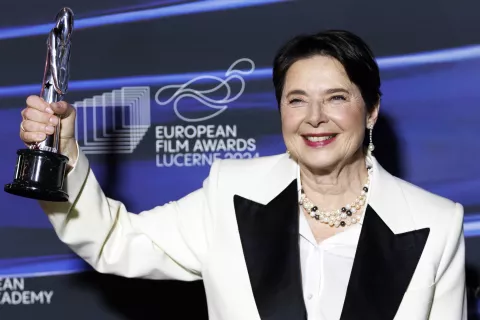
(40, 170)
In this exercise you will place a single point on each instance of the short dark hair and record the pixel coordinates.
(349, 49)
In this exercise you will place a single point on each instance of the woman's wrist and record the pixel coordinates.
(70, 150)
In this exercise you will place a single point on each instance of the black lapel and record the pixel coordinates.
(383, 267)
(269, 235)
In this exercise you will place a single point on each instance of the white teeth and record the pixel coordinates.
(316, 139)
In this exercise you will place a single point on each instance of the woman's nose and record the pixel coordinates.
(316, 115)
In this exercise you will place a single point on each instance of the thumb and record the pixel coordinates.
(62, 108)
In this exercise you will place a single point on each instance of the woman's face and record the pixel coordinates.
(323, 113)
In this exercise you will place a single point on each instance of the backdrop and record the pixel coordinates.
(130, 57)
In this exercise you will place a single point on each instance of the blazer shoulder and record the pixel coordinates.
(429, 207)
(422, 196)
(247, 168)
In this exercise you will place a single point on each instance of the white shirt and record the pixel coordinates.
(326, 267)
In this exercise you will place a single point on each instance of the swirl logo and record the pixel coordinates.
(220, 105)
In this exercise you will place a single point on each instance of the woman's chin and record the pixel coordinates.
(319, 163)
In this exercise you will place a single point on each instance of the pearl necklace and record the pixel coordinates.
(346, 216)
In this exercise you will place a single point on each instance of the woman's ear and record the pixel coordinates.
(373, 115)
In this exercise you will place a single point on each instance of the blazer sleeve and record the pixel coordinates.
(166, 242)
(450, 300)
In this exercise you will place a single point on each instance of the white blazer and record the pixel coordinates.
(239, 234)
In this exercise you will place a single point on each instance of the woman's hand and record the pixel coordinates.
(40, 119)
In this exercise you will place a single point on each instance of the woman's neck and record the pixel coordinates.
(332, 189)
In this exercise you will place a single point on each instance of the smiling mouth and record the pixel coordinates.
(319, 138)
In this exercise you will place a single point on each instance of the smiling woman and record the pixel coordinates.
(329, 109)
(321, 232)
(328, 90)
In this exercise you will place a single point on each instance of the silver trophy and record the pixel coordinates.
(40, 169)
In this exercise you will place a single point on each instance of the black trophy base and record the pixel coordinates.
(39, 175)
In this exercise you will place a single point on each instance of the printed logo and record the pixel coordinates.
(117, 121)
(200, 144)
(114, 122)
(221, 104)
(14, 292)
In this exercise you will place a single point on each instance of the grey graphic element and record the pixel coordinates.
(183, 91)
(114, 122)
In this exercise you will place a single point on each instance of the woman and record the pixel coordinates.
(321, 232)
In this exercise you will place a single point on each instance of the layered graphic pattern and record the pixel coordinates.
(114, 122)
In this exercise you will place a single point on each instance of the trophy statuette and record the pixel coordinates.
(40, 169)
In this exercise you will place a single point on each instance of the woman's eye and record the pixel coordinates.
(339, 98)
(296, 100)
